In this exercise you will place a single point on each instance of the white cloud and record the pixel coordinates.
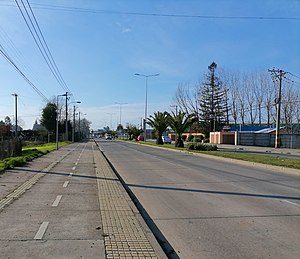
(123, 28)
(126, 30)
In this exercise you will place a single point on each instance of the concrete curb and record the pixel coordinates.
(125, 232)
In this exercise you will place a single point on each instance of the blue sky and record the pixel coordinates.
(98, 52)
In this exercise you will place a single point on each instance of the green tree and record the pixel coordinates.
(133, 132)
(213, 102)
(120, 128)
(159, 122)
(180, 123)
(48, 119)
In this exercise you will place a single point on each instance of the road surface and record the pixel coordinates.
(210, 208)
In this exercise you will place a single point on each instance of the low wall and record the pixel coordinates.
(267, 140)
(254, 139)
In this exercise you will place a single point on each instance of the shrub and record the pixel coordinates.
(206, 140)
(190, 138)
(191, 146)
(202, 147)
(14, 161)
(197, 139)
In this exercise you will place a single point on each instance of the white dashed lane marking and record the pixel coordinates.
(42, 230)
(57, 200)
(73, 168)
(66, 184)
(70, 175)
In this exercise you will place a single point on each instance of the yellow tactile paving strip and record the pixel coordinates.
(124, 237)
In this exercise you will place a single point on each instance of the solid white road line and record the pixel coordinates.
(42, 230)
(66, 184)
(291, 202)
(57, 200)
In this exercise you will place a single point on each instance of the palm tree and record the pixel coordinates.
(180, 123)
(159, 122)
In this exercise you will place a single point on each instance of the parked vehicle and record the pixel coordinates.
(166, 140)
(108, 136)
(140, 138)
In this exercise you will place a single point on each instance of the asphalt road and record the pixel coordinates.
(210, 208)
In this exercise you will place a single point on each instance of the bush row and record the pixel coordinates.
(27, 155)
(202, 147)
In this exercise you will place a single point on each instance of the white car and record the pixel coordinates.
(108, 136)
(166, 140)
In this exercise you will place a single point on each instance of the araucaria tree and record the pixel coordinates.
(213, 102)
(159, 123)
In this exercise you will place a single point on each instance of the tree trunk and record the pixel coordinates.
(159, 141)
(179, 142)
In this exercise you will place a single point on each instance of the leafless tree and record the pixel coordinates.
(259, 91)
(290, 100)
(231, 82)
(185, 98)
(249, 82)
(269, 97)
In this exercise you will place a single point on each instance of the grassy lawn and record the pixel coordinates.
(256, 158)
(28, 154)
(263, 159)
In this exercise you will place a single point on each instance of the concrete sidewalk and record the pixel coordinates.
(123, 230)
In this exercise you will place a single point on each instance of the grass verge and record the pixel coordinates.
(263, 159)
(28, 154)
(255, 158)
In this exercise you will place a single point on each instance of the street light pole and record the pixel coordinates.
(16, 115)
(120, 111)
(56, 132)
(73, 129)
(146, 101)
(66, 137)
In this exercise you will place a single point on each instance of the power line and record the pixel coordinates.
(58, 72)
(88, 10)
(294, 75)
(39, 39)
(17, 55)
(7, 57)
(167, 15)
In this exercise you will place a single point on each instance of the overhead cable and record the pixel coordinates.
(170, 15)
(39, 39)
(7, 57)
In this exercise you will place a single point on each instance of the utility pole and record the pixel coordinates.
(278, 74)
(16, 114)
(66, 138)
